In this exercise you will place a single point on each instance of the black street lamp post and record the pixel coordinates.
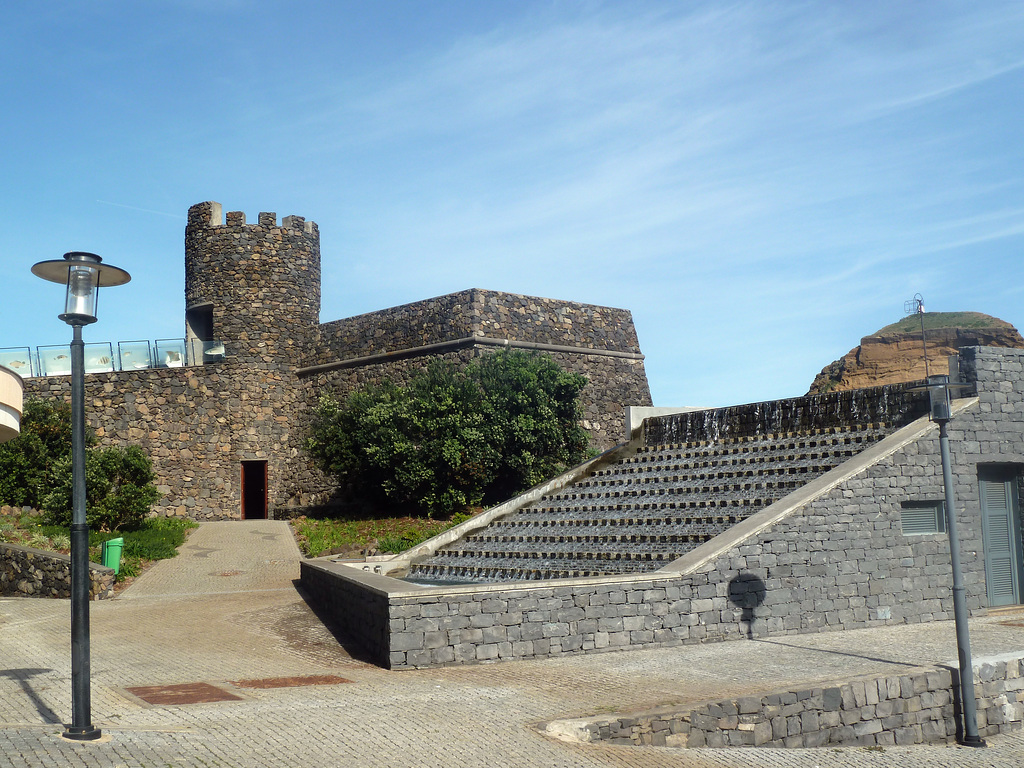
(84, 274)
(938, 391)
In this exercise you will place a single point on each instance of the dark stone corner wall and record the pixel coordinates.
(598, 342)
(28, 572)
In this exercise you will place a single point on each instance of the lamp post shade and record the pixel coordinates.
(83, 274)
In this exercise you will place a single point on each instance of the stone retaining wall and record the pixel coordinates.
(27, 572)
(822, 565)
(830, 556)
(916, 707)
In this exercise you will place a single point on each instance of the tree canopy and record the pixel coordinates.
(453, 437)
(35, 471)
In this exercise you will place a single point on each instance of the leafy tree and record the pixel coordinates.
(26, 460)
(533, 415)
(35, 471)
(119, 489)
(453, 438)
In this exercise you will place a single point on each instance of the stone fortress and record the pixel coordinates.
(801, 515)
(225, 422)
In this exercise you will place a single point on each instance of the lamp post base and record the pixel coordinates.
(82, 733)
(973, 741)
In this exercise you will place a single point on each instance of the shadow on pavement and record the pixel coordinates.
(21, 676)
(337, 630)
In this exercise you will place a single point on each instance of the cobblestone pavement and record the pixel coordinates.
(226, 609)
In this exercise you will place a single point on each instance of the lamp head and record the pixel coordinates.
(83, 274)
(938, 394)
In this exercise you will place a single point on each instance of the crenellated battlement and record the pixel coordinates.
(254, 282)
(211, 215)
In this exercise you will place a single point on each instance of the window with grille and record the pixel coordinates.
(921, 517)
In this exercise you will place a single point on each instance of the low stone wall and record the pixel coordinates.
(27, 572)
(341, 599)
(917, 707)
(438, 626)
(893, 404)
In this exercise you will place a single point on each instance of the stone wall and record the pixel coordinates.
(916, 707)
(597, 342)
(476, 312)
(830, 556)
(27, 572)
(612, 383)
(197, 424)
(409, 326)
(256, 288)
(261, 281)
(895, 404)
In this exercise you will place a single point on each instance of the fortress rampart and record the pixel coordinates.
(227, 433)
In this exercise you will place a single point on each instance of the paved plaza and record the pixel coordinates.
(226, 612)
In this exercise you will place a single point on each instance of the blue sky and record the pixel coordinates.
(761, 183)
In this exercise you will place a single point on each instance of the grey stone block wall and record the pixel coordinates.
(357, 607)
(28, 572)
(838, 561)
(917, 707)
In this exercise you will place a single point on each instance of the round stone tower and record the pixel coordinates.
(255, 288)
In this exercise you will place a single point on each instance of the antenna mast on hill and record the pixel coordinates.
(916, 306)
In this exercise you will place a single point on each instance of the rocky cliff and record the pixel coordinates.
(895, 353)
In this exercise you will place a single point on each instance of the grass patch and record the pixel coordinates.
(933, 320)
(351, 536)
(157, 539)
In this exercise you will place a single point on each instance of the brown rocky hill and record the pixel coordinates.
(895, 354)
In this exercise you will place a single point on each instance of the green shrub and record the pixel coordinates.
(453, 438)
(26, 460)
(119, 489)
(532, 411)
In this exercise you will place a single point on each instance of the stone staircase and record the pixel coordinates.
(645, 511)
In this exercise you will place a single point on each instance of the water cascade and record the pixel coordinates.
(695, 475)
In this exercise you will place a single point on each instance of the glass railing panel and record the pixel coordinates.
(213, 351)
(19, 360)
(54, 360)
(201, 352)
(99, 357)
(133, 355)
(170, 353)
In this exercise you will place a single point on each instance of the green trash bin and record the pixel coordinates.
(111, 554)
